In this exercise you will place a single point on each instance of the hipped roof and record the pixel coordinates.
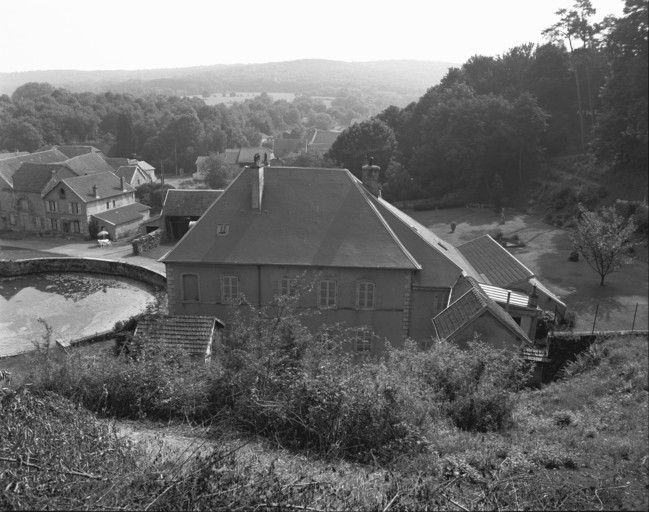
(308, 217)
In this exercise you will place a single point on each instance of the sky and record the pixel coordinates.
(148, 34)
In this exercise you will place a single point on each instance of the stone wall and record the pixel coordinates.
(91, 265)
(145, 243)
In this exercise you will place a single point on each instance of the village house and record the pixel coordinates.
(9, 165)
(133, 175)
(240, 157)
(364, 263)
(26, 180)
(72, 203)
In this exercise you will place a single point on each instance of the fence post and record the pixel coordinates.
(595, 319)
(634, 315)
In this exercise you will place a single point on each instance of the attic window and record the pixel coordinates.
(222, 229)
(62, 193)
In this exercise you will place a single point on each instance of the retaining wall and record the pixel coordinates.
(92, 265)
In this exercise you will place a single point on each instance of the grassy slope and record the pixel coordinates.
(577, 444)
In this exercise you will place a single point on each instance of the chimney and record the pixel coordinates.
(265, 158)
(370, 177)
(121, 183)
(533, 300)
(257, 187)
(94, 192)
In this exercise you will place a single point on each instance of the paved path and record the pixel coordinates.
(118, 251)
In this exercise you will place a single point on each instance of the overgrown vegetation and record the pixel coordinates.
(460, 431)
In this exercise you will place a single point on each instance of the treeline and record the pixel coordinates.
(166, 131)
(488, 124)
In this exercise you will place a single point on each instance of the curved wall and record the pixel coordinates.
(93, 265)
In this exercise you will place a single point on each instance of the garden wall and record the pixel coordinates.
(145, 243)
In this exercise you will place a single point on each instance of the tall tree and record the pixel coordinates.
(574, 27)
(621, 131)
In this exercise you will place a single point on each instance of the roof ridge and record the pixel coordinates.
(363, 191)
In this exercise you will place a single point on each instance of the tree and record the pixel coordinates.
(372, 138)
(217, 174)
(621, 130)
(602, 238)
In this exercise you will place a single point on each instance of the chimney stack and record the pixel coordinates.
(257, 187)
(94, 191)
(121, 183)
(265, 158)
(370, 177)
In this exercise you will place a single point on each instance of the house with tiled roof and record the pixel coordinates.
(72, 203)
(145, 167)
(245, 156)
(183, 207)
(133, 175)
(364, 263)
(195, 335)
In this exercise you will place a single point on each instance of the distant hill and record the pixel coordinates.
(407, 78)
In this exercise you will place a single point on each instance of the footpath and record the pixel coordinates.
(15, 245)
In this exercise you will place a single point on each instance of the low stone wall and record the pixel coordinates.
(145, 243)
(91, 265)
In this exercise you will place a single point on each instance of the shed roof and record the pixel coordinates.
(190, 203)
(470, 306)
(191, 333)
(123, 215)
(494, 264)
(308, 217)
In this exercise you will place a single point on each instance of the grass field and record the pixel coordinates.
(546, 254)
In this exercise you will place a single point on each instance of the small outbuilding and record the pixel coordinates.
(195, 334)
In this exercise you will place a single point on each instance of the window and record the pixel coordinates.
(54, 224)
(108, 205)
(74, 207)
(287, 286)
(229, 289)
(62, 193)
(52, 206)
(365, 295)
(327, 294)
(363, 341)
(76, 226)
(190, 287)
(222, 229)
(113, 203)
(23, 205)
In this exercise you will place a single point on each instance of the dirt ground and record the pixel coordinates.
(546, 254)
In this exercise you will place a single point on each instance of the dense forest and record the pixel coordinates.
(483, 130)
(479, 133)
(167, 131)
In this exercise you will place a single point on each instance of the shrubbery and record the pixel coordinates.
(276, 379)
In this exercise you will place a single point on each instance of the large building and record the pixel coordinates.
(365, 263)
